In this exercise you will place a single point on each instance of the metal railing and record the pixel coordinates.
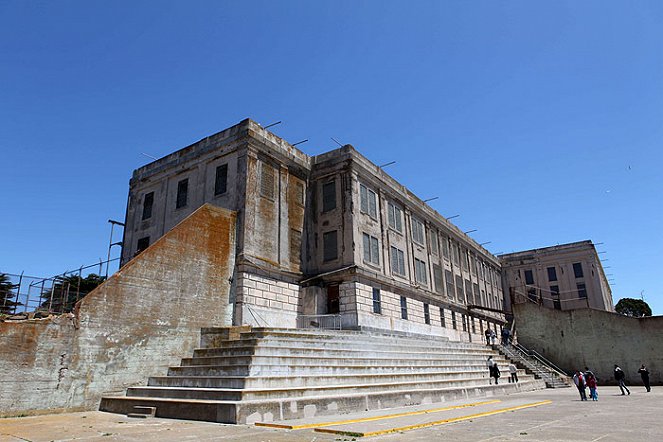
(332, 322)
(542, 368)
(56, 294)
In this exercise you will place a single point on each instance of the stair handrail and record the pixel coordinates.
(542, 359)
(516, 353)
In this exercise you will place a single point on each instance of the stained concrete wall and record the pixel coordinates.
(593, 338)
(144, 318)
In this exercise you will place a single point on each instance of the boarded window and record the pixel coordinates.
(371, 249)
(420, 274)
(329, 246)
(148, 202)
(295, 246)
(368, 200)
(395, 217)
(329, 196)
(299, 193)
(182, 193)
(397, 261)
(267, 181)
(437, 277)
(221, 180)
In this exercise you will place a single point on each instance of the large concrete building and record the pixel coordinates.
(321, 238)
(561, 277)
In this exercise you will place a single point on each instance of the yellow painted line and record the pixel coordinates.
(374, 418)
(429, 424)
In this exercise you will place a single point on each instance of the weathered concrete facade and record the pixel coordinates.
(142, 319)
(312, 230)
(593, 338)
(562, 277)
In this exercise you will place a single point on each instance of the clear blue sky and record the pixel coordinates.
(538, 122)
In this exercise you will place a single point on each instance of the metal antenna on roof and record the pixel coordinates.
(299, 142)
(386, 164)
(484, 243)
(273, 124)
(470, 231)
(149, 156)
(334, 140)
(431, 199)
(452, 217)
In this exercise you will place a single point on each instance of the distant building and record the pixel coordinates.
(562, 277)
(321, 239)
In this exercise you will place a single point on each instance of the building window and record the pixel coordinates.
(531, 294)
(453, 320)
(371, 249)
(443, 321)
(554, 291)
(148, 202)
(143, 243)
(417, 231)
(484, 301)
(403, 307)
(529, 277)
(329, 196)
(377, 302)
(182, 191)
(420, 272)
(474, 327)
(397, 261)
(221, 180)
(582, 291)
(329, 246)
(464, 322)
(368, 200)
(267, 180)
(437, 278)
(395, 217)
(577, 270)
(299, 193)
(433, 243)
(426, 313)
(460, 296)
(450, 283)
(445, 247)
(468, 292)
(454, 253)
(477, 298)
(552, 274)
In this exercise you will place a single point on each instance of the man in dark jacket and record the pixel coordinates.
(644, 374)
(619, 377)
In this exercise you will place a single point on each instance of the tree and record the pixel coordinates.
(633, 307)
(68, 290)
(7, 296)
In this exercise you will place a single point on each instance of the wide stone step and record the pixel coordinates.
(342, 334)
(208, 393)
(210, 381)
(251, 411)
(331, 344)
(266, 349)
(347, 368)
(307, 360)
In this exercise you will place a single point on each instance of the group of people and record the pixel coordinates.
(491, 336)
(494, 371)
(587, 379)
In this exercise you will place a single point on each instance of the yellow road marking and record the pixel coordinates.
(429, 424)
(374, 418)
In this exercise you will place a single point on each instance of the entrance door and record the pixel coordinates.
(332, 299)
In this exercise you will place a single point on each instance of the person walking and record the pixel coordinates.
(505, 336)
(513, 372)
(644, 374)
(591, 383)
(619, 377)
(487, 334)
(579, 380)
(490, 363)
(493, 336)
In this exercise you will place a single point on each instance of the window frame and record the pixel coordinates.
(325, 257)
(403, 307)
(577, 268)
(420, 272)
(400, 261)
(147, 213)
(218, 189)
(369, 252)
(395, 222)
(364, 196)
(182, 198)
(377, 301)
(418, 232)
(328, 200)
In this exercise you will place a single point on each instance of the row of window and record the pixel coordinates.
(554, 293)
(552, 273)
(451, 251)
(377, 308)
(181, 200)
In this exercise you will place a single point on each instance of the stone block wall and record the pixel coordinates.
(146, 317)
(265, 301)
(593, 338)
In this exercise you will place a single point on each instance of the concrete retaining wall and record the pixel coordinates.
(146, 317)
(593, 338)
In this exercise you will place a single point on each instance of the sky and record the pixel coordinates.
(538, 123)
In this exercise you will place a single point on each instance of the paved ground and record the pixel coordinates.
(565, 418)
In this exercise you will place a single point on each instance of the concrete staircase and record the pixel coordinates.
(265, 374)
(534, 363)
